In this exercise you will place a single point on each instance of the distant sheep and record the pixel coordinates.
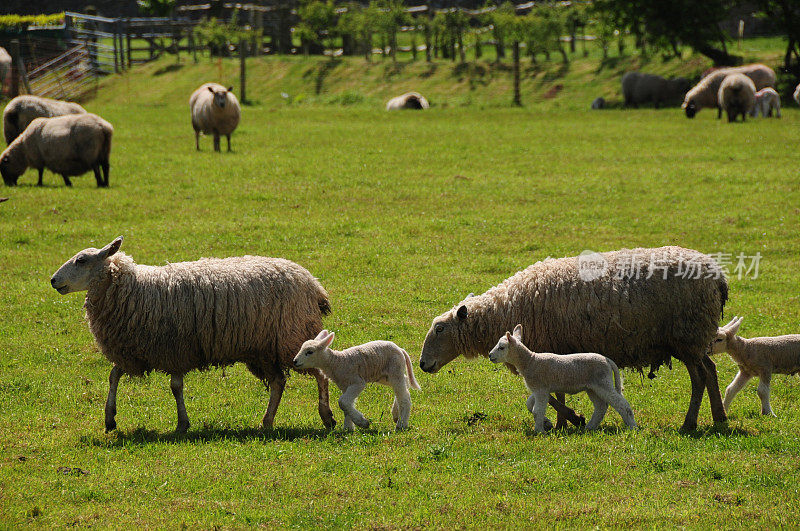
(5, 67)
(767, 100)
(706, 92)
(737, 95)
(546, 373)
(68, 145)
(409, 100)
(215, 111)
(796, 94)
(599, 103)
(22, 110)
(639, 88)
(759, 356)
(353, 368)
(638, 307)
(194, 315)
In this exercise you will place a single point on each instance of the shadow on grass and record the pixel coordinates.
(716, 430)
(167, 69)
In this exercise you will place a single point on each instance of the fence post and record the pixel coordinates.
(128, 42)
(517, 95)
(114, 35)
(15, 60)
(243, 69)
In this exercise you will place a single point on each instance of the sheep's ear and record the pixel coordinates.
(230, 89)
(518, 332)
(111, 248)
(727, 326)
(462, 312)
(322, 334)
(508, 336)
(210, 89)
(326, 342)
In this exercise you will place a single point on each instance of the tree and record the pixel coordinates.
(785, 14)
(316, 23)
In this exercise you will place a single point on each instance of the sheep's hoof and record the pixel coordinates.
(688, 427)
(182, 428)
(111, 425)
(548, 425)
(363, 424)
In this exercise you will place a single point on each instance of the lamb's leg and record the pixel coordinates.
(712, 386)
(348, 423)
(697, 374)
(41, 173)
(111, 401)
(565, 413)
(738, 383)
(531, 404)
(763, 394)
(276, 386)
(176, 384)
(539, 410)
(348, 404)
(600, 409)
(620, 405)
(395, 410)
(324, 406)
(403, 401)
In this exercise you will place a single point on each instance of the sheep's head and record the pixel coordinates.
(440, 346)
(11, 166)
(690, 106)
(725, 335)
(499, 354)
(220, 96)
(78, 272)
(312, 350)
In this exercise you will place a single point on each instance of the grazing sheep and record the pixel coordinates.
(737, 95)
(796, 94)
(193, 315)
(215, 110)
(759, 356)
(409, 100)
(353, 368)
(68, 145)
(638, 307)
(639, 88)
(22, 110)
(767, 100)
(599, 103)
(705, 93)
(546, 373)
(5, 67)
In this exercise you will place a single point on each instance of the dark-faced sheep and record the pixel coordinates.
(639, 89)
(409, 100)
(706, 92)
(194, 315)
(215, 111)
(68, 145)
(22, 110)
(737, 95)
(639, 307)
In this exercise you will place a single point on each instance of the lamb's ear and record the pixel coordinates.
(462, 312)
(518, 332)
(322, 334)
(727, 326)
(111, 248)
(508, 336)
(326, 342)
(734, 329)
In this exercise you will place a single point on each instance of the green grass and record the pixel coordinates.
(400, 215)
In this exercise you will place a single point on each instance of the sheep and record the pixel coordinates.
(353, 368)
(737, 95)
(69, 145)
(705, 93)
(638, 307)
(215, 110)
(5, 67)
(796, 94)
(545, 373)
(759, 356)
(409, 100)
(22, 110)
(639, 88)
(599, 103)
(193, 315)
(767, 99)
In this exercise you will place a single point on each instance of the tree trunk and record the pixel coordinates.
(461, 53)
(720, 57)
(517, 95)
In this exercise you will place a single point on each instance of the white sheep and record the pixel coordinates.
(215, 111)
(352, 369)
(767, 100)
(796, 94)
(546, 373)
(737, 95)
(759, 356)
(22, 110)
(705, 93)
(409, 100)
(68, 145)
(5, 66)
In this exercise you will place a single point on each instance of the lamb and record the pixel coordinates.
(409, 100)
(767, 99)
(759, 356)
(353, 368)
(737, 95)
(215, 110)
(545, 373)
(22, 110)
(5, 67)
(796, 94)
(69, 145)
(193, 315)
(638, 307)
(705, 93)
(639, 88)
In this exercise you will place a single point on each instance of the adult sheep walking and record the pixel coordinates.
(22, 110)
(215, 111)
(194, 315)
(68, 145)
(737, 95)
(639, 307)
(705, 93)
(639, 88)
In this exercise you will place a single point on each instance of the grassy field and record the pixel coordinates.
(399, 215)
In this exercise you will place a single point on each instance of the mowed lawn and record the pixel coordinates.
(400, 216)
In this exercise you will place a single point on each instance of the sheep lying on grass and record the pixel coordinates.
(22, 110)
(737, 95)
(409, 100)
(352, 369)
(759, 356)
(767, 100)
(194, 315)
(215, 111)
(546, 373)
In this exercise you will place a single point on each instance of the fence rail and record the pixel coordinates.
(68, 76)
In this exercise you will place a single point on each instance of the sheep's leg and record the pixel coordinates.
(197, 140)
(229, 141)
(395, 410)
(403, 402)
(565, 413)
(738, 383)
(97, 176)
(763, 394)
(348, 404)
(600, 409)
(104, 166)
(620, 405)
(111, 401)
(697, 375)
(539, 409)
(348, 423)
(276, 386)
(41, 173)
(216, 142)
(712, 386)
(66, 180)
(176, 384)
(530, 404)
(324, 406)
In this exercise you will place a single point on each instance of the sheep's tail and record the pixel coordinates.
(409, 368)
(617, 375)
(106, 148)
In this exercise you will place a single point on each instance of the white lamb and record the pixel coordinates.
(547, 373)
(352, 369)
(767, 100)
(759, 356)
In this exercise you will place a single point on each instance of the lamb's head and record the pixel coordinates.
(220, 96)
(509, 342)
(78, 272)
(725, 335)
(312, 351)
(12, 164)
(440, 346)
